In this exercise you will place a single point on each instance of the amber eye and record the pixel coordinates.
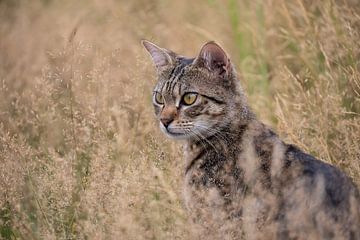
(189, 98)
(159, 98)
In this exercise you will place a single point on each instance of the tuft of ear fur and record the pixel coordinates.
(214, 58)
(161, 57)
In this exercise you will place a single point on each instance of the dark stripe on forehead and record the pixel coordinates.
(172, 72)
(176, 80)
(181, 74)
(164, 86)
(172, 85)
(177, 73)
(181, 69)
(173, 79)
(168, 84)
(182, 62)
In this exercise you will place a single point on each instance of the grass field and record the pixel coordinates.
(80, 151)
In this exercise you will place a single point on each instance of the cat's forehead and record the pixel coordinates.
(190, 80)
(184, 76)
(180, 68)
(176, 74)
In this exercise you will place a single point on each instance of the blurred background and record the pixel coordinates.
(80, 151)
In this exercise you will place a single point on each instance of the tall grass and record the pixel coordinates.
(81, 154)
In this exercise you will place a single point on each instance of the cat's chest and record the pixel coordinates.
(217, 194)
(213, 187)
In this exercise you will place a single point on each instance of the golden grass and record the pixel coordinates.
(80, 151)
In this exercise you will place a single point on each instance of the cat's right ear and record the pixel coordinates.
(161, 57)
(214, 58)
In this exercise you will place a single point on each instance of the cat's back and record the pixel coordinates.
(309, 198)
(317, 199)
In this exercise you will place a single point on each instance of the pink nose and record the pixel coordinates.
(168, 115)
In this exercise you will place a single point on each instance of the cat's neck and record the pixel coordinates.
(224, 141)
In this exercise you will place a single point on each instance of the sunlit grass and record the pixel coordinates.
(81, 153)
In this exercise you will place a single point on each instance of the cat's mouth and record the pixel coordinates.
(175, 132)
(193, 131)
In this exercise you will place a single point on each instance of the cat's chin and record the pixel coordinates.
(178, 136)
(175, 135)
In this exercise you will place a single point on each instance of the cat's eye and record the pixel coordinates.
(189, 98)
(159, 98)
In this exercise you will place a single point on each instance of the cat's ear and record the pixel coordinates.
(214, 58)
(161, 57)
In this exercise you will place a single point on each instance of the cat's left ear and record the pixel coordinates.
(161, 57)
(214, 58)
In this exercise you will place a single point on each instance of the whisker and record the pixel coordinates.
(200, 140)
(205, 139)
(215, 133)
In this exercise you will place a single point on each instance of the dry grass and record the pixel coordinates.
(80, 152)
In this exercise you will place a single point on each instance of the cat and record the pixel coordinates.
(241, 180)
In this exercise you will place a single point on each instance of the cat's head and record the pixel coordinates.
(194, 97)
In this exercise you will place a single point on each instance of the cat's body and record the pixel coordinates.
(298, 197)
(241, 180)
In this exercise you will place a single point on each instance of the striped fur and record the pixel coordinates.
(241, 180)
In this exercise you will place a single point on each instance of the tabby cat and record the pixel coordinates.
(241, 180)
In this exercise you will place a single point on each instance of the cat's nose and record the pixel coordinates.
(166, 121)
(168, 115)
